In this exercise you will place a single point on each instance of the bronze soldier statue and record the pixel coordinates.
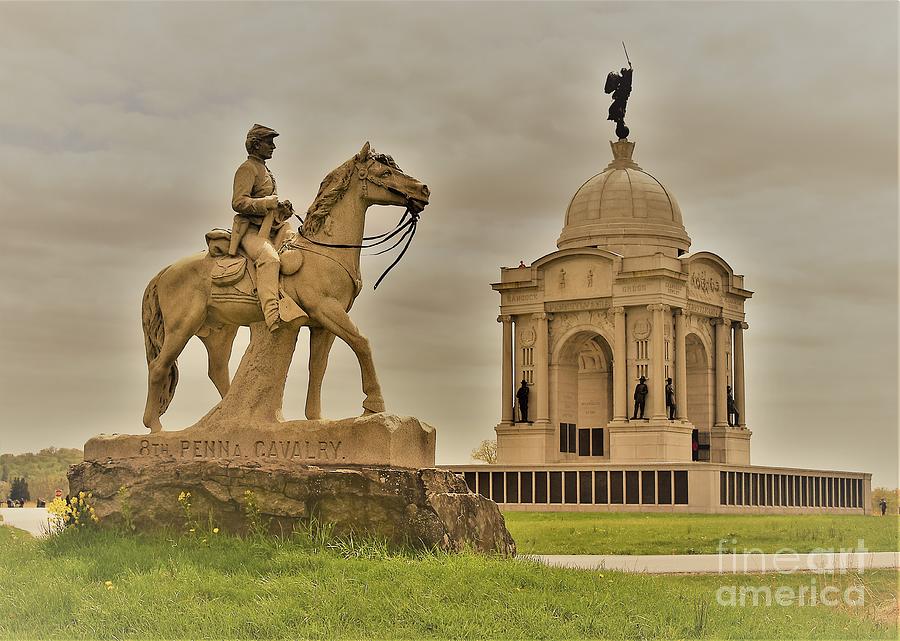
(732, 408)
(670, 399)
(522, 397)
(260, 224)
(619, 85)
(640, 398)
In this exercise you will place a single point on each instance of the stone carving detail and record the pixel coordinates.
(562, 278)
(601, 321)
(705, 285)
(641, 329)
(527, 337)
(703, 281)
(590, 277)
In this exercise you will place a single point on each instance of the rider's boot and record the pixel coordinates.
(267, 290)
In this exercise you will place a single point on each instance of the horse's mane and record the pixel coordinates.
(332, 189)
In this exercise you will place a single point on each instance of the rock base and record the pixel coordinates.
(425, 508)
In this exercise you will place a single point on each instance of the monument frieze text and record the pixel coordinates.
(706, 283)
(705, 310)
(285, 450)
(575, 305)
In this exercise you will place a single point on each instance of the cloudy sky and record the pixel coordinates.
(774, 124)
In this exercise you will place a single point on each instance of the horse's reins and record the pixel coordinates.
(407, 226)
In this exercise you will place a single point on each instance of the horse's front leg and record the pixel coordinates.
(330, 314)
(320, 342)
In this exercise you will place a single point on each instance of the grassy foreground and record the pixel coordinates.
(634, 533)
(87, 585)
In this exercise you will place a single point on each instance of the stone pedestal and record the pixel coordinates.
(649, 441)
(420, 508)
(524, 443)
(729, 445)
(388, 440)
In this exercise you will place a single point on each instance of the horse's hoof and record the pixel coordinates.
(155, 426)
(373, 406)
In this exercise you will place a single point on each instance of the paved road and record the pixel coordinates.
(722, 564)
(30, 519)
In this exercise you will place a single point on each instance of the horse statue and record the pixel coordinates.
(320, 274)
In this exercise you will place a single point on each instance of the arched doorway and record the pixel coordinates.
(582, 394)
(700, 383)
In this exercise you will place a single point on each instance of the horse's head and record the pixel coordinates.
(385, 184)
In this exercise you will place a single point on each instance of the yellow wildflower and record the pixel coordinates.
(215, 530)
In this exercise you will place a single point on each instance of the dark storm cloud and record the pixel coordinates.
(774, 124)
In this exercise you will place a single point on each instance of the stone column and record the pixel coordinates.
(721, 329)
(681, 318)
(620, 366)
(739, 387)
(542, 369)
(506, 367)
(657, 363)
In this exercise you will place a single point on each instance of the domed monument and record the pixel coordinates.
(621, 304)
(622, 367)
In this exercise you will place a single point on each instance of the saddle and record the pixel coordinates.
(234, 277)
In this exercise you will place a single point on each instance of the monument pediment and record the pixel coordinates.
(709, 278)
(577, 274)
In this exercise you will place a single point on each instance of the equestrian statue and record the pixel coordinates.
(264, 275)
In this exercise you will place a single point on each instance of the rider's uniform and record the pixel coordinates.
(255, 195)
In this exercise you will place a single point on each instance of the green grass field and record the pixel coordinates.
(90, 585)
(635, 533)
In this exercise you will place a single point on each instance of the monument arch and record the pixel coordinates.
(581, 392)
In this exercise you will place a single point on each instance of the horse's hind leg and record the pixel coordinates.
(219, 343)
(175, 340)
(182, 315)
(320, 342)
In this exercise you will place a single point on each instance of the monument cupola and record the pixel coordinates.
(625, 210)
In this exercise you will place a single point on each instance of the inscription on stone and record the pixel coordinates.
(705, 282)
(575, 305)
(519, 298)
(705, 310)
(633, 289)
(269, 449)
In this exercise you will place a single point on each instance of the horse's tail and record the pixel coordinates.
(154, 335)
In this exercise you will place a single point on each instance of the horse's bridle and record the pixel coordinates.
(406, 224)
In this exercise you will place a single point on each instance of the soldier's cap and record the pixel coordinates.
(643, 379)
(259, 132)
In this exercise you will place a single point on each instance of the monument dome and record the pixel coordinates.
(625, 210)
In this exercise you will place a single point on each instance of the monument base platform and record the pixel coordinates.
(382, 439)
(729, 445)
(424, 508)
(641, 441)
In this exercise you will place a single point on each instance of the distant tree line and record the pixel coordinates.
(36, 475)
